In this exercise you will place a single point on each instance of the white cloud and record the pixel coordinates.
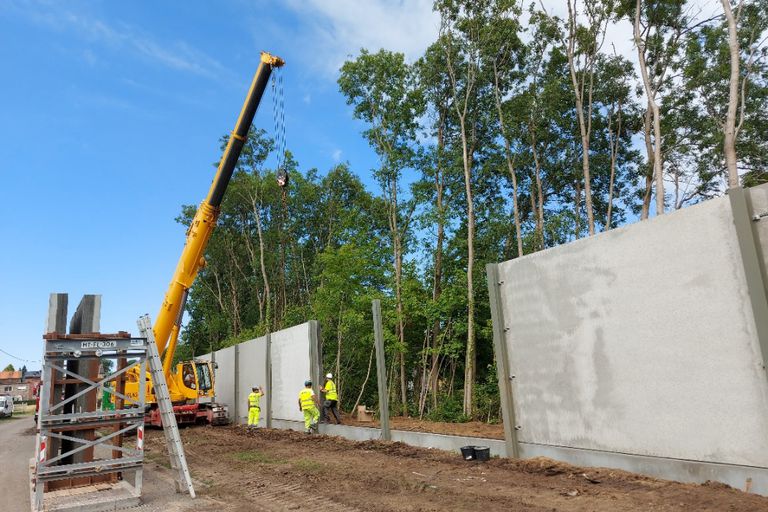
(337, 29)
(307, 99)
(177, 55)
(620, 35)
(336, 155)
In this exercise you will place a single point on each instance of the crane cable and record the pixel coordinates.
(278, 116)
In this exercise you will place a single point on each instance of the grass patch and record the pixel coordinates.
(256, 457)
(310, 466)
(158, 458)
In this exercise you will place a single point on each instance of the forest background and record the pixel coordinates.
(515, 131)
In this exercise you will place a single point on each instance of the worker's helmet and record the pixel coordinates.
(307, 382)
(254, 388)
(328, 375)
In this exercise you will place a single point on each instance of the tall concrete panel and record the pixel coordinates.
(291, 365)
(640, 341)
(252, 371)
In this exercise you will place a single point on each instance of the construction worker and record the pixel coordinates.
(309, 406)
(254, 408)
(331, 400)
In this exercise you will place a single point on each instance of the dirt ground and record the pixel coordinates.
(469, 429)
(274, 470)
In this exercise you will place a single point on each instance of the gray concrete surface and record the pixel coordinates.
(17, 446)
(640, 341)
(244, 366)
(420, 439)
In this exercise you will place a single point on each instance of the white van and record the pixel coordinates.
(6, 406)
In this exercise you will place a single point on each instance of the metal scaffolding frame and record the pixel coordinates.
(53, 422)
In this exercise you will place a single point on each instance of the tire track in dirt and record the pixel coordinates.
(283, 497)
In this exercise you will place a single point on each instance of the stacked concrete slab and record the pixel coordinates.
(643, 348)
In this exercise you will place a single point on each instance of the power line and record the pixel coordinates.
(19, 358)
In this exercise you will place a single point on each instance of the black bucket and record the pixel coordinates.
(468, 452)
(482, 453)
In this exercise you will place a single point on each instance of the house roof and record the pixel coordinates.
(10, 375)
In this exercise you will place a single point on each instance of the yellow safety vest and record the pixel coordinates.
(253, 400)
(305, 397)
(330, 391)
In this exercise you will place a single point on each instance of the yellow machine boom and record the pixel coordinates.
(192, 383)
(192, 257)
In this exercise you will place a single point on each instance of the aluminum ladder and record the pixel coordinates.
(170, 428)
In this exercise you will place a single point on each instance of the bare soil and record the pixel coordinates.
(276, 470)
(468, 429)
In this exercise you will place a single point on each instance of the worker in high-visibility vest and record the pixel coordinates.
(308, 405)
(254, 407)
(331, 402)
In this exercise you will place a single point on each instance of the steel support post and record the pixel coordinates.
(268, 374)
(753, 272)
(381, 371)
(502, 360)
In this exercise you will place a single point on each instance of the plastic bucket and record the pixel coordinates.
(468, 452)
(482, 453)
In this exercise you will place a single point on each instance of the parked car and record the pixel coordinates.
(6, 406)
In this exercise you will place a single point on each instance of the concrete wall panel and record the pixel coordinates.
(291, 366)
(640, 341)
(252, 372)
(225, 377)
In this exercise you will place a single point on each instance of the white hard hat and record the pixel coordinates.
(328, 375)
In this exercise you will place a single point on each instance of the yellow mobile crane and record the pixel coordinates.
(191, 386)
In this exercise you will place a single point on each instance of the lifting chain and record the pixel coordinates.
(278, 115)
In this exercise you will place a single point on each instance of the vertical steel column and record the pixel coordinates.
(750, 258)
(268, 378)
(502, 360)
(315, 355)
(381, 371)
(237, 384)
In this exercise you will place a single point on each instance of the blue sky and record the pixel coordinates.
(110, 116)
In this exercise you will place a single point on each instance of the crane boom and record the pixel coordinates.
(204, 222)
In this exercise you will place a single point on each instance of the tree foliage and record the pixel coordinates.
(514, 132)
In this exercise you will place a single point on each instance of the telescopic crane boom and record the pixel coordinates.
(192, 257)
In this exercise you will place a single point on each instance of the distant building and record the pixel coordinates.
(20, 385)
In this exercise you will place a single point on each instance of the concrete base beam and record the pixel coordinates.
(745, 478)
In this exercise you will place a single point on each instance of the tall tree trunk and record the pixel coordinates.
(437, 281)
(367, 375)
(655, 118)
(339, 336)
(646, 209)
(614, 140)
(584, 126)
(539, 205)
(267, 295)
(729, 144)
(577, 207)
(470, 359)
(510, 161)
(398, 264)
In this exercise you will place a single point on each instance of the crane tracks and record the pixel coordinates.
(269, 496)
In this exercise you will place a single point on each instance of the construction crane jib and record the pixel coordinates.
(192, 259)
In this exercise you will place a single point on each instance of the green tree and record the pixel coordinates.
(381, 87)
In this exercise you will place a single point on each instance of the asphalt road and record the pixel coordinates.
(17, 446)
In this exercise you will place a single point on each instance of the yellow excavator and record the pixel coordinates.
(191, 383)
